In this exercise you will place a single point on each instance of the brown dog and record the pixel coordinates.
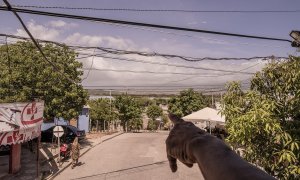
(216, 160)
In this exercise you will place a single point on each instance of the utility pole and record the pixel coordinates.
(110, 113)
(212, 99)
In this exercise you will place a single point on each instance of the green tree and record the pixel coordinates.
(187, 102)
(162, 101)
(129, 111)
(253, 125)
(102, 111)
(280, 82)
(144, 102)
(165, 119)
(153, 112)
(25, 76)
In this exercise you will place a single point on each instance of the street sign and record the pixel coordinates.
(58, 131)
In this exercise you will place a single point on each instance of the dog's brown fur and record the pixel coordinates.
(216, 160)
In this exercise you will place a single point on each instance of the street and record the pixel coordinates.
(132, 156)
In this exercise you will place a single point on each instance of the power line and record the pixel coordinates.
(88, 73)
(188, 78)
(148, 54)
(113, 21)
(172, 65)
(148, 72)
(9, 8)
(159, 86)
(211, 40)
(185, 58)
(157, 10)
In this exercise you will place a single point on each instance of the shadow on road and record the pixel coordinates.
(155, 165)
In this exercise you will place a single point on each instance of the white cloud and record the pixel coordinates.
(80, 39)
(61, 24)
(98, 40)
(58, 31)
(39, 31)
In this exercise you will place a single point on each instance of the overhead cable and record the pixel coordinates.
(172, 65)
(88, 73)
(114, 21)
(188, 78)
(56, 68)
(150, 72)
(149, 54)
(157, 10)
(159, 86)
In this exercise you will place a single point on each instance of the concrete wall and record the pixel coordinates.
(83, 123)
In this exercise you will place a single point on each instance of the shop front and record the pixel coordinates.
(19, 123)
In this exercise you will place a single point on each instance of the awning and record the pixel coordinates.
(206, 114)
(20, 122)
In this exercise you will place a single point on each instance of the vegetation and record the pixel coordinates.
(265, 120)
(129, 112)
(187, 102)
(102, 113)
(153, 112)
(25, 76)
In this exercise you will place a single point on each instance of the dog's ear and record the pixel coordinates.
(175, 119)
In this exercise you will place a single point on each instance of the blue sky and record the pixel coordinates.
(276, 25)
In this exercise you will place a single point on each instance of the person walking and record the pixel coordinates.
(75, 152)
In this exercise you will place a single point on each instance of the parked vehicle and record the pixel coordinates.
(65, 150)
(70, 132)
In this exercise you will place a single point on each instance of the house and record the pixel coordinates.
(82, 123)
(19, 123)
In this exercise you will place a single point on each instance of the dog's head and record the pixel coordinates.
(175, 119)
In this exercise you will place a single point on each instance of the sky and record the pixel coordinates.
(86, 33)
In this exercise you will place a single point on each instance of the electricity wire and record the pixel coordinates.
(114, 21)
(156, 10)
(88, 73)
(9, 8)
(149, 54)
(147, 72)
(171, 65)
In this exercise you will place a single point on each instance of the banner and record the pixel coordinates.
(20, 122)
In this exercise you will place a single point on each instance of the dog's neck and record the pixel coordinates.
(217, 161)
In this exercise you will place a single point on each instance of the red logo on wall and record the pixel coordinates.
(30, 114)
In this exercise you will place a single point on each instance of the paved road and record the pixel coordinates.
(132, 156)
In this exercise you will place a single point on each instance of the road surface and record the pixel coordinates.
(132, 156)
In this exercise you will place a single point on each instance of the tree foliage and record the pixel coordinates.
(187, 102)
(144, 102)
(25, 76)
(129, 111)
(154, 111)
(280, 82)
(165, 119)
(101, 110)
(162, 101)
(264, 121)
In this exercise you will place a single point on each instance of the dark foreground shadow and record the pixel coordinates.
(125, 169)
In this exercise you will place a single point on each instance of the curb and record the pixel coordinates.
(61, 170)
